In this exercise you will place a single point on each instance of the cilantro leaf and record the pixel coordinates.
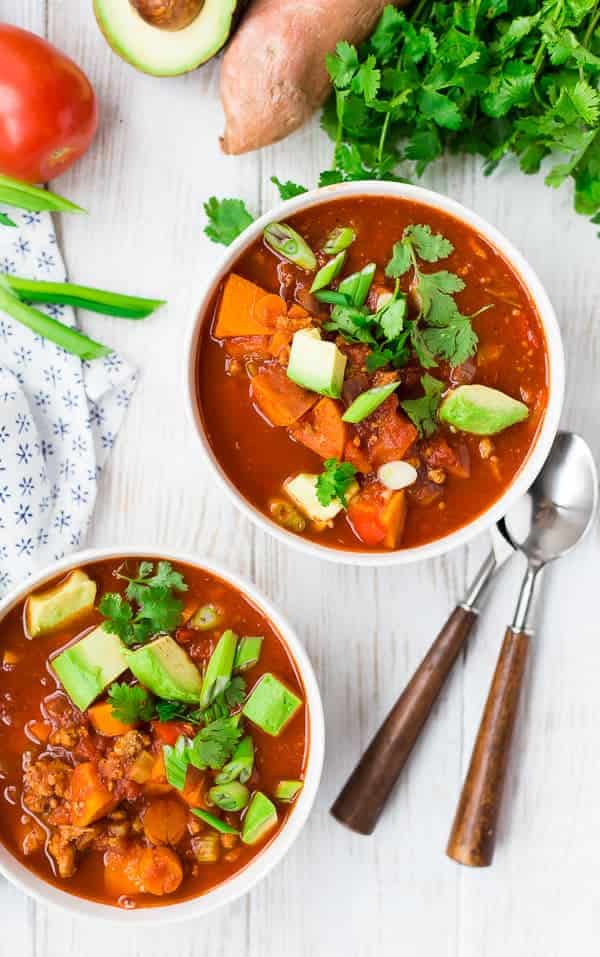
(227, 218)
(130, 703)
(429, 246)
(118, 613)
(343, 64)
(423, 412)
(288, 189)
(334, 482)
(401, 260)
(177, 760)
(214, 744)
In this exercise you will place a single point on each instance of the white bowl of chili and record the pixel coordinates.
(486, 307)
(27, 671)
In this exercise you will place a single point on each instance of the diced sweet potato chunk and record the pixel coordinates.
(104, 722)
(392, 433)
(90, 798)
(279, 399)
(246, 309)
(378, 517)
(323, 430)
(165, 821)
(357, 457)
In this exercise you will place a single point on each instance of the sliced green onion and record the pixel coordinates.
(328, 272)
(288, 790)
(230, 797)
(84, 297)
(176, 762)
(333, 298)
(68, 339)
(339, 239)
(358, 284)
(285, 241)
(241, 764)
(221, 826)
(206, 618)
(366, 403)
(6, 220)
(32, 198)
(247, 653)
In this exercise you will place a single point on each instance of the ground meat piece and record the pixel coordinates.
(353, 386)
(64, 737)
(64, 845)
(44, 783)
(356, 354)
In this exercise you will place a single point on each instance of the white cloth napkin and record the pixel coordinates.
(59, 418)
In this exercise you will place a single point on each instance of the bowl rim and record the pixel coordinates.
(555, 358)
(242, 882)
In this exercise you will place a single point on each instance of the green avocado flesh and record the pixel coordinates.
(163, 52)
(55, 608)
(86, 668)
(480, 410)
(259, 819)
(164, 668)
(271, 705)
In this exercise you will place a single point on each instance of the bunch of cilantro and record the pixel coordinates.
(485, 77)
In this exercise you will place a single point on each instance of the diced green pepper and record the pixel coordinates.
(271, 705)
(247, 654)
(220, 666)
(328, 272)
(366, 403)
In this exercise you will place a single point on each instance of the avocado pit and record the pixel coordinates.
(168, 14)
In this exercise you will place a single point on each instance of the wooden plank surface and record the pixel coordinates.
(155, 161)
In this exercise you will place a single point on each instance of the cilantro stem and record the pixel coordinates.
(594, 18)
(383, 136)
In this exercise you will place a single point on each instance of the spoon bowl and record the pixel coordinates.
(558, 510)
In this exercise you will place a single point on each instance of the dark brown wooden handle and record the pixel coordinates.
(473, 833)
(362, 800)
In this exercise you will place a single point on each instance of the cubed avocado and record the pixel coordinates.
(86, 668)
(316, 364)
(480, 410)
(220, 666)
(47, 611)
(259, 819)
(288, 790)
(302, 489)
(271, 705)
(164, 668)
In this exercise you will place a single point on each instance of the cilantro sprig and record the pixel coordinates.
(212, 747)
(152, 591)
(335, 481)
(227, 218)
(423, 411)
(130, 703)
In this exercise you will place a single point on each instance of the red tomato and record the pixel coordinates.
(48, 109)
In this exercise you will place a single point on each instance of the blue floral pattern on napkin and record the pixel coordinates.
(59, 418)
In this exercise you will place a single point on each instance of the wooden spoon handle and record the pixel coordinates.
(362, 799)
(473, 833)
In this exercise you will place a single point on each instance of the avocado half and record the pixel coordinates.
(167, 37)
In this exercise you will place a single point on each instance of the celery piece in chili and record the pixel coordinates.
(83, 297)
(68, 339)
(34, 199)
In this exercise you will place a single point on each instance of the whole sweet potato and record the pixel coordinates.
(273, 73)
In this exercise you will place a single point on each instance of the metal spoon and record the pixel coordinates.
(549, 521)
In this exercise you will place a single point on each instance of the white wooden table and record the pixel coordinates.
(154, 162)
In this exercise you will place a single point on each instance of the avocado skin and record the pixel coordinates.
(238, 10)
